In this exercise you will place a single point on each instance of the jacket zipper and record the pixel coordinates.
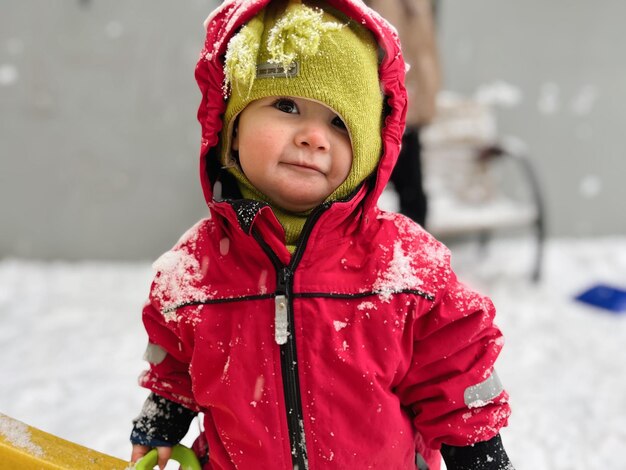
(291, 380)
(285, 337)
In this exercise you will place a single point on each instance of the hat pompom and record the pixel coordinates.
(242, 56)
(297, 33)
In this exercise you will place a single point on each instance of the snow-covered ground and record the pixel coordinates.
(72, 341)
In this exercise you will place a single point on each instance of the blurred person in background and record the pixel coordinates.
(414, 21)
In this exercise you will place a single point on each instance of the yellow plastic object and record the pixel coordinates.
(23, 447)
(183, 455)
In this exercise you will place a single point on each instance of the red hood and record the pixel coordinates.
(226, 20)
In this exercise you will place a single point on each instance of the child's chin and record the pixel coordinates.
(300, 206)
(302, 202)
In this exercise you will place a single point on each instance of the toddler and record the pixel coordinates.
(308, 328)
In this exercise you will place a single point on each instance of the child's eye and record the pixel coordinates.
(286, 106)
(338, 123)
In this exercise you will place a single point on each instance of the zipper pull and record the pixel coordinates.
(281, 321)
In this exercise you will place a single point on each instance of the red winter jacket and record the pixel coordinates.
(382, 350)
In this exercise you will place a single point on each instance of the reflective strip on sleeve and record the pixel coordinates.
(483, 393)
(154, 354)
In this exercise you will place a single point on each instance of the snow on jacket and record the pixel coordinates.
(383, 350)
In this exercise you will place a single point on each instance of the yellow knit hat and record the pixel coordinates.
(310, 53)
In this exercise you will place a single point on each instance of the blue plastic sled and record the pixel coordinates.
(606, 297)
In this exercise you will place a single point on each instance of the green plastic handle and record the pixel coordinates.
(183, 455)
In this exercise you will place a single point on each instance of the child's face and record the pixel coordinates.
(295, 151)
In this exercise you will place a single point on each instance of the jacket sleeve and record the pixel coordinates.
(168, 354)
(451, 386)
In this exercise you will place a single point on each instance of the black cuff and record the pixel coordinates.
(161, 422)
(488, 455)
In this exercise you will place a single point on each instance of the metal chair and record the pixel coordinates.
(478, 183)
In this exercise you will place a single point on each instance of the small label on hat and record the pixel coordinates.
(268, 70)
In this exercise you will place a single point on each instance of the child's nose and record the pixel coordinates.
(313, 135)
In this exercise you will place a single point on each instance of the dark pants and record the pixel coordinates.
(407, 177)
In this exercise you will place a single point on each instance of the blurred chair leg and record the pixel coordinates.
(533, 179)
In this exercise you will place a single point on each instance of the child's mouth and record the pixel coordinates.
(304, 167)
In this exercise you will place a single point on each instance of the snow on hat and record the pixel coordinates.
(309, 53)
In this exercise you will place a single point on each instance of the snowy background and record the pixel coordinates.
(72, 341)
(98, 167)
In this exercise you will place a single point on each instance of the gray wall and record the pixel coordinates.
(99, 139)
(566, 59)
(99, 142)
